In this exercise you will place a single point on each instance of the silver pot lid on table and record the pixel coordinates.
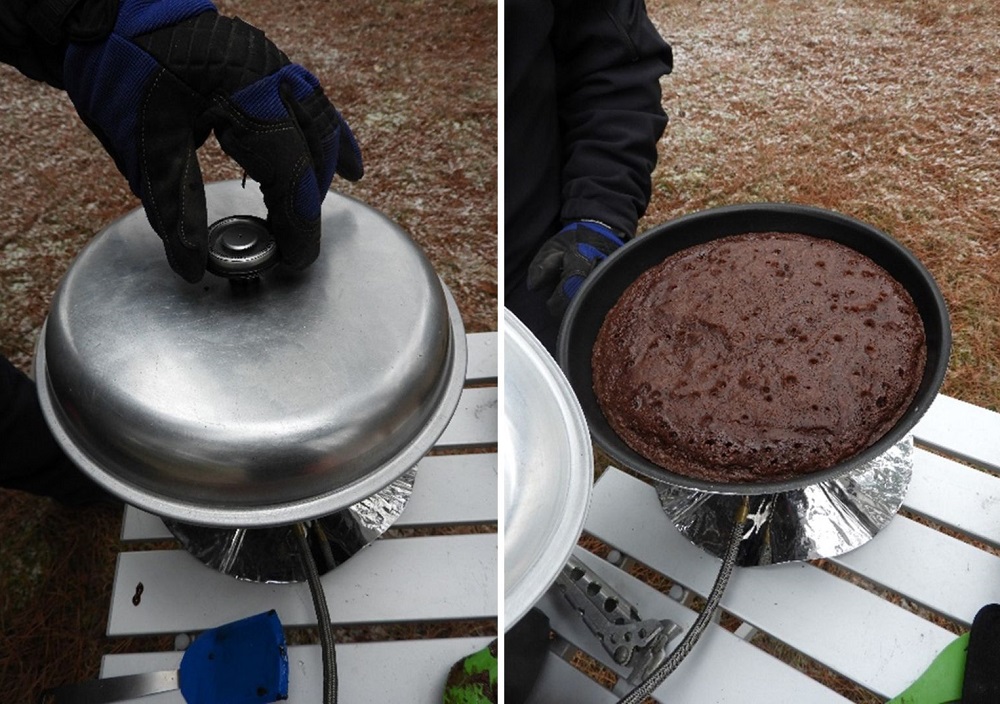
(253, 403)
(548, 470)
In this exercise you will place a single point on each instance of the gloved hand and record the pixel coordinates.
(568, 258)
(174, 70)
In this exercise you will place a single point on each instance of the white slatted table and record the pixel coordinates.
(861, 635)
(413, 579)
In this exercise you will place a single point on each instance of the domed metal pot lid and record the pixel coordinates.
(548, 470)
(258, 402)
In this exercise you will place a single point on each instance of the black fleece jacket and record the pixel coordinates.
(582, 116)
(34, 33)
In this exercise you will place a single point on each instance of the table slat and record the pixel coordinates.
(398, 580)
(937, 571)
(828, 619)
(483, 353)
(956, 496)
(475, 421)
(962, 430)
(396, 671)
(453, 489)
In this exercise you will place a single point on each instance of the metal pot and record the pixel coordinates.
(603, 288)
(258, 403)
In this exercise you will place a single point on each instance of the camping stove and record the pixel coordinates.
(825, 519)
(272, 554)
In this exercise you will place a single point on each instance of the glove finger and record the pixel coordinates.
(576, 267)
(274, 152)
(170, 181)
(576, 264)
(547, 265)
(332, 146)
(293, 200)
(350, 164)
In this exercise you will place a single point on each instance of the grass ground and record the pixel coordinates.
(417, 82)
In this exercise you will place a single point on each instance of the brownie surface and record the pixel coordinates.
(758, 357)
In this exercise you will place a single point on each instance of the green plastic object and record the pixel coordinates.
(474, 679)
(941, 683)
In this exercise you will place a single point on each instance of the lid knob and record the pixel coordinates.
(240, 247)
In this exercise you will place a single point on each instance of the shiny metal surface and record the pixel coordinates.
(820, 520)
(547, 469)
(290, 398)
(114, 689)
(271, 555)
(240, 247)
(637, 643)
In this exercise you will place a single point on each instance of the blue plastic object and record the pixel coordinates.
(244, 662)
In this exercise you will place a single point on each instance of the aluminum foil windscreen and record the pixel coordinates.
(822, 520)
(272, 554)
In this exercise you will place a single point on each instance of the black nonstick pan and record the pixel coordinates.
(602, 289)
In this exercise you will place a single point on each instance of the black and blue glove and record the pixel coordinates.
(568, 258)
(171, 72)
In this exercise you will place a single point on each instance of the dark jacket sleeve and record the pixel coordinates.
(610, 58)
(34, 33)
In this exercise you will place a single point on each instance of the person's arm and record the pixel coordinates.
(34, 33)
(610, 59)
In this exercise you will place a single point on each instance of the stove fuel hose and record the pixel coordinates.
(322, 615)
(661, 673)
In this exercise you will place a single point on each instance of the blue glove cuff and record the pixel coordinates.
(137, 17)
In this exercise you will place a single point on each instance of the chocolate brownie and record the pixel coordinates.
(758, 357)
